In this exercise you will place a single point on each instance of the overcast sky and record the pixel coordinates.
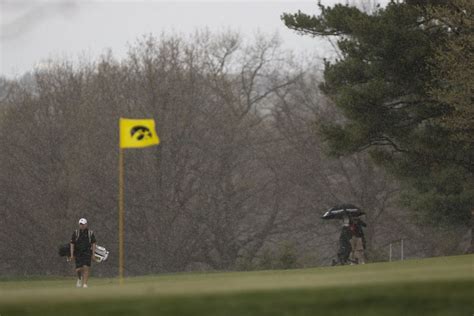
(32, 31)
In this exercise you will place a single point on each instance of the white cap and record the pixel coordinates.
(83, 221)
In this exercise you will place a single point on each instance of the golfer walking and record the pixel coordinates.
(82, 248)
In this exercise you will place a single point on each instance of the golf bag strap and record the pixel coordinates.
(89, 232)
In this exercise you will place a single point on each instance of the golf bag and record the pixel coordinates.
(64, 250)
(101, 254)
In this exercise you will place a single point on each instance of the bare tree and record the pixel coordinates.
(239, 172)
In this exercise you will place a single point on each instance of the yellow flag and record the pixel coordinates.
(137, 133)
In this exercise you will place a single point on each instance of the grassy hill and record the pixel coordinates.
(436, 286)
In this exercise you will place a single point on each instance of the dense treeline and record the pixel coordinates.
(238, 182)
(404, 85)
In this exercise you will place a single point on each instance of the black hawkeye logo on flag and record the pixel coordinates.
(141, 133)
(137, 133)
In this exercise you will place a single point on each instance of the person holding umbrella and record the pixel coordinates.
(346, 212)
(345, 247)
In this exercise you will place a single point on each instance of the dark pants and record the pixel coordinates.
(83, 260)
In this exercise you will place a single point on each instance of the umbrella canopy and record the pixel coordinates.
(339, 211)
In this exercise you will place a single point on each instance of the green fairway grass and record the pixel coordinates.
(436, 286)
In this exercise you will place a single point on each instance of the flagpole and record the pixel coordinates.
(121, 216)
(145, 135)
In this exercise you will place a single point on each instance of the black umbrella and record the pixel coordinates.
(339, 211)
